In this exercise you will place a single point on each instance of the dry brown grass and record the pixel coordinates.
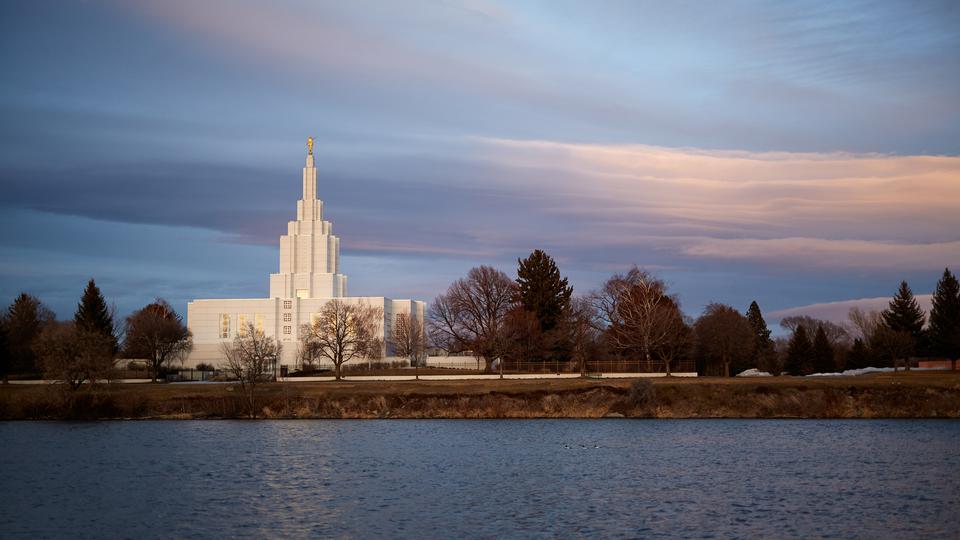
(916, 394)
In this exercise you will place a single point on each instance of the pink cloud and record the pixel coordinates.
(833, 210)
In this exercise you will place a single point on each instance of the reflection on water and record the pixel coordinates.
(518, 478)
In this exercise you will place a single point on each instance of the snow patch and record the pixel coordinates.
(854, 372)
(866, 371)
(753, 372)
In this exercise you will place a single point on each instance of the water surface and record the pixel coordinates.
(496, 478)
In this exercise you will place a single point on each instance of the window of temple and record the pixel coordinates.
(286, 330)
(259, 318)
(303, 293)
(287, 304)
(224, 326)
(287, 317)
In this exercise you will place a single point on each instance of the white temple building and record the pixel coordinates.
(309, 277)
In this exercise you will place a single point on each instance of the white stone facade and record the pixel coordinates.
(308, 278)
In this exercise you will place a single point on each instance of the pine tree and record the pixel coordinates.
(541, 289)
(904, 315)
(944, 330)
(94, 315)
(763, 345)
(799, 353)
(4, 350)
(25, 318)
(822, 353)
(859, 357)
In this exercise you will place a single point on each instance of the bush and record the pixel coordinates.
(641, 394)
(202, 366)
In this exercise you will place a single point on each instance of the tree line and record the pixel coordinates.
(887, 338)
(518, 323)
(532, 320)
(34, 343)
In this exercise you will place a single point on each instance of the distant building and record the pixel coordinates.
(309, 277)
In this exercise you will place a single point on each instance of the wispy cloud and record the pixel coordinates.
(838, 311)
(801, 209)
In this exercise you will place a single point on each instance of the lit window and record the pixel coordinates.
(303, 293)
(287, 304)
(287, 317)
(286, 330)
(259, 322)
(224, 325)
(242, 324)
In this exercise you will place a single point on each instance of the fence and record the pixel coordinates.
(552, 366)
(436, 365)
(190, 374)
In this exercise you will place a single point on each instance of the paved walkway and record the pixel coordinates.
(490, 376)
(450, 377)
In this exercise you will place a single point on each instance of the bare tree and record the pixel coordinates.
(250, 358)
(343, 332)
(523, 340)
(724, 337)
(677, 338)
(157, 334)
(638, 312)
(864, 323)
(837, 335)
(470, 315)
(582, 325)
(74, 355)
(893, 346)
(308, 353)
(408, 339)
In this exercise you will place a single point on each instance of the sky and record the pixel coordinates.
(804, 155)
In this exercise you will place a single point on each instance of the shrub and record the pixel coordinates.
(641, 394)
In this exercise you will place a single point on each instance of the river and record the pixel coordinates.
(482, 478)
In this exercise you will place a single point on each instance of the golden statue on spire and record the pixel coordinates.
(310, 146)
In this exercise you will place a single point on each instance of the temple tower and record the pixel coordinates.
(309, 252)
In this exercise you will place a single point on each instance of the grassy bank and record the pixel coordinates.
(910, 395)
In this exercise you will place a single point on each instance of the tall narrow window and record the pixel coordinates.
(242, 324)
(259, 318)
(224, 326)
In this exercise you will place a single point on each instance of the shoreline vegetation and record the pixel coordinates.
(883, 395)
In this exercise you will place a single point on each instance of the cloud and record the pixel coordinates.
(837, 311)
(477, 197)
(833, 210)
(771, 77)
(832, 254)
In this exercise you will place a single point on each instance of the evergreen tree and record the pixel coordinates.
(944, 330)
(799, 353)
(25, 318)
(541, 290)
(822, 353)
(762, 345)
(859, 356)
(904, 315)
(93, 314)
(4, 350)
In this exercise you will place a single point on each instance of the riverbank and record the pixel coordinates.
(902, 395)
